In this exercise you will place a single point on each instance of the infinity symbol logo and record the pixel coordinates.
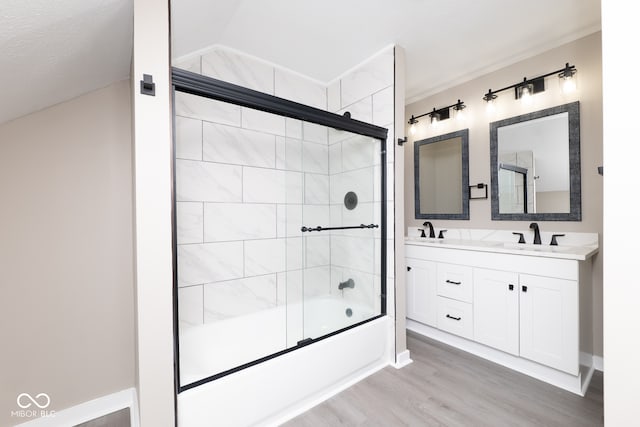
(42, 397)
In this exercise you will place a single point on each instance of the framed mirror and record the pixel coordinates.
(535, 166)
(441, 175)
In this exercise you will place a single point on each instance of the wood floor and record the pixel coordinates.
(448, 387)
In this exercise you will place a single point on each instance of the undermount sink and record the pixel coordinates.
(537, 248)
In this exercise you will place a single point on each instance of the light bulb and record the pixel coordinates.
(412, 129)
(525, 95)
(434, 121)
(491, 106)
(460, 115)
(569, 85)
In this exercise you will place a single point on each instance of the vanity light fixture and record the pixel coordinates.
(436, 115)
(528, 87)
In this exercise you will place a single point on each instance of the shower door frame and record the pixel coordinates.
(208, 87)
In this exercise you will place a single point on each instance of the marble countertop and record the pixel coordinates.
(576, 246)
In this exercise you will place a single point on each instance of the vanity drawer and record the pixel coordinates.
(454, 281)
(455, 317)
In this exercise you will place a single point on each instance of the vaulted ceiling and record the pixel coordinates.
(51, 51)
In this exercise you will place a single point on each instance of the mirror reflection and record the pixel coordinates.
(442, 176)
(536, 165)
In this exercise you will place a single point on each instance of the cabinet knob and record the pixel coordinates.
(408, 268)
(524, 289)
(510, 287)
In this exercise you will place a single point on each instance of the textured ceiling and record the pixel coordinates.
(446, 42)
(55, 50)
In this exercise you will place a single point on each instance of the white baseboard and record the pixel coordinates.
(598, 363)
(90, 410)
(402, 360)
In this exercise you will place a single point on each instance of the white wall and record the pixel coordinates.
(66, 252)
(621, 206)
(152, 203)
(585, 54)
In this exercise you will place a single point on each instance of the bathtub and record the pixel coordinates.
(277, 389)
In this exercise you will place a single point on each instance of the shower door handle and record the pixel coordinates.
(320, 228)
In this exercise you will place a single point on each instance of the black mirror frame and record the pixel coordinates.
(464, 135)
(575, 195)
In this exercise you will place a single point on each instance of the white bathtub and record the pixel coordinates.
(274, 390)
(216, 347)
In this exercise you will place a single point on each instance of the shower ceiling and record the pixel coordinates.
(53, 51)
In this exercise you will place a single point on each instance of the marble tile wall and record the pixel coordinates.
(248, 180)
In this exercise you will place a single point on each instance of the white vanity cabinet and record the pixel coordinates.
(421, 291)
(496, 315)
(522, 311)
(549, 322)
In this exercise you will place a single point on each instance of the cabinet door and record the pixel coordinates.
(421, 291)
(495, 309)
(549, 322)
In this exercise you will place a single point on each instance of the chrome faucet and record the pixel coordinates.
(348, 284)
(536, 233)
(432, 234)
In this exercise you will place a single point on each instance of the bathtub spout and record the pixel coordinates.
(348, 284)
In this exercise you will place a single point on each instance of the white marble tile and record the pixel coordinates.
(317, 251)
(281, 288)
(293, 154)
(315, 215)
(281, 153)
(294, 187)
(239, 297)
(209, 262)
(293, 128)
(374, 75)
(190, 64)
(189, 222)
(383, 107)
(188, 138)
(281, 221)
(317, 281)
(363, 291)
(228, 144)
(263, 122)
(299, 89)
(198, 107)
(316, 188)
(315, 158)
(295, 283)
(335, 158)
(360, 181)
(363, 213)
(336, 135)
(337, 274)
(361, 110)
(208, 182)
(358, 152)
(315, 133)
(335, 214)
(264, 256)
(353, 252)
(294, 220)
(294, 253)
(238, 69)
(190, 305)
(263, 185)
(333, 96)
(239, 221)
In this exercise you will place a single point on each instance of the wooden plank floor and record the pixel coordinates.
(448, 387)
